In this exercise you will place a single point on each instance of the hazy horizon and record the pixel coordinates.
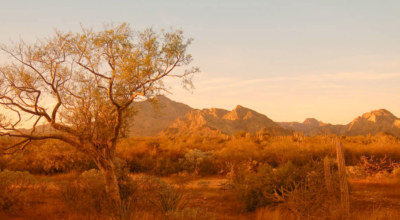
(288, 60)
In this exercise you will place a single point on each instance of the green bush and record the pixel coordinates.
(14, 189)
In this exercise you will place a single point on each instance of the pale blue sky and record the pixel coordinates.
(332, 60)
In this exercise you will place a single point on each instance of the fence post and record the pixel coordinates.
(344, 188)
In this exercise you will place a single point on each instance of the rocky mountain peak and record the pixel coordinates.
(311, 121)
(374, 122)
(154, 115)
(239, 107)
(381, 114)
(236, 114)
(217, 121)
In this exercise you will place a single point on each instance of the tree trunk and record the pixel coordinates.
(107, 167)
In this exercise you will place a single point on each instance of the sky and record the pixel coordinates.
(290, 60)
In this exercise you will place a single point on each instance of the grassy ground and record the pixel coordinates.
(380, 196)
(371, 198)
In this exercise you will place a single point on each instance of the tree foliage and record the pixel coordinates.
(83, 85)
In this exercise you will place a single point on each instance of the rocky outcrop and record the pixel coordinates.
(219, 121)
(312, 126)
(374, 122)
(154, 116)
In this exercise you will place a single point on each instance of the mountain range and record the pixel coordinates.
(168, 117)
(152, 117)
(220, 121)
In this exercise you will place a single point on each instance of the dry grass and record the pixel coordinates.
(209, 197)
(370, 198)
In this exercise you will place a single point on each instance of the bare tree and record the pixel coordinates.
(83, 85)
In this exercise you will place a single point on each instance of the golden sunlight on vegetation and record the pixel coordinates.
(81, 88)
(96, 148)
(239, 177)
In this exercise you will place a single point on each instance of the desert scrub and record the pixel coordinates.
(299, 189)
(373, 165)
(315, 194)
(357, 172)
(14, 189)
(199, 162)
(264, 187)
(156, 194)
(48, 157)
(86, 194)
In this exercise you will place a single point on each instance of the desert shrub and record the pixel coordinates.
(141, 163)
(159, 165)
(163, 156)
(377, 146)
(165, 166)
(14, 189)
(150, 194)
(264, 187)
(151, 155)
(164, 162)
(373, 165)
(355, 172)
(310, 198)
(199, 162)
(167, 198)
(156, 193)
(86, 194)
(48, 157)
(300, 189)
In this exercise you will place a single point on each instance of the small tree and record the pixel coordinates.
(83, 85)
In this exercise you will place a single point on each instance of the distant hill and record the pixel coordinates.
(374, 122)
(219, 121)
(167, 117)
(151, 118)
(312, 126)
